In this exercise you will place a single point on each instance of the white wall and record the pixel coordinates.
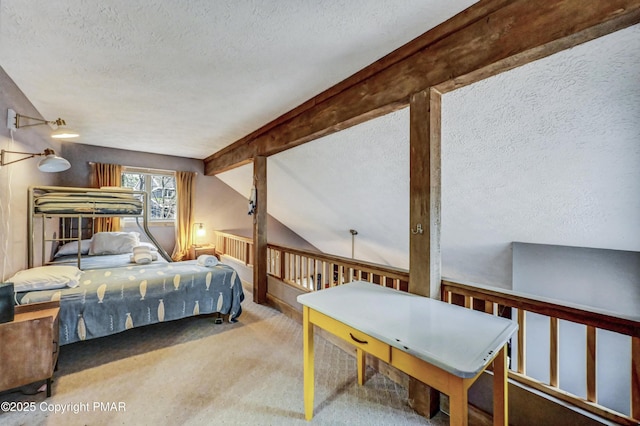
(546, 153)
(16, 178)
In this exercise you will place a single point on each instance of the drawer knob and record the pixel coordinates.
(364, 342)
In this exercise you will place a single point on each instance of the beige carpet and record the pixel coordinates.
(195, 372)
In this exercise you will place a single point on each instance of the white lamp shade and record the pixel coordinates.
(53, 163)
(64, 133)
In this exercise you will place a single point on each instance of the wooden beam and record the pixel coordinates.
(489, 38)
(260, 230)
(424, 219)
(228, 157)
(425, 194)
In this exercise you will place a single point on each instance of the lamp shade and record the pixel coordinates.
(198, 232)
(52, 163)
(64, 133)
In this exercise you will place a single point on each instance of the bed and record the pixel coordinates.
(110, 282)
(107, 301)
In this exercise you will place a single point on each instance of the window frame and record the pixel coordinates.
(149, 173)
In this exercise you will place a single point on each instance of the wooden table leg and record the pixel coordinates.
(500, 386)
(362, 365)
(307, 339)
(458, 405)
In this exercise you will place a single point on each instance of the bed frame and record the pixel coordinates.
(77, 220)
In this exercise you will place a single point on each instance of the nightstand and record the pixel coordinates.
(29, 349)
(196, 251)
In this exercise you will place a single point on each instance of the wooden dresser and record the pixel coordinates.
(29, 345)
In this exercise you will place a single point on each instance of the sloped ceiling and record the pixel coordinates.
(546, 153)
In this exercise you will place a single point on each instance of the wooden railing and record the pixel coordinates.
(239, 248)
(494, 301)
(311, 271)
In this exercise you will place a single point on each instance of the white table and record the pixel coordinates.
(445, 346)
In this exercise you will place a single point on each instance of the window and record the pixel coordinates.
(161, 188)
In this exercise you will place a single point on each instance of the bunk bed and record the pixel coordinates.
(105, 298)
(77, 210)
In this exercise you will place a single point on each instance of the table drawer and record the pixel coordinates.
(357, 338)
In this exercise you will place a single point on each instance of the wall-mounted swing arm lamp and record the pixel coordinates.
(18, 121)
(50, 163)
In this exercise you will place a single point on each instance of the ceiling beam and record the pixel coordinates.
(488, 38)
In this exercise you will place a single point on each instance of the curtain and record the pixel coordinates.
(106, 175)
(184, 214)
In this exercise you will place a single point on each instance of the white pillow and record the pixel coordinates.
(113, 242)
(72, 248)
(46, 278)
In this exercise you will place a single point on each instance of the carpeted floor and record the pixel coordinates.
(195, 372)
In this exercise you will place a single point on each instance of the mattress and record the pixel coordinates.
(104, 202)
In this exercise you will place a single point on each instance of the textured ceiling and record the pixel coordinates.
(546, 153)
(188, 78)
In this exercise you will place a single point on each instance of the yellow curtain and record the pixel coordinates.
(106, 175)
(184, 219)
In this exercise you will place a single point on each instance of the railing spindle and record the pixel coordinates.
(298, 272)
(553, 352)
(312, 274)
(333, 278)
(635, 377)
(522, 347)
(592, 394)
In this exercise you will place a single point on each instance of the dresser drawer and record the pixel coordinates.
(357, 338)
